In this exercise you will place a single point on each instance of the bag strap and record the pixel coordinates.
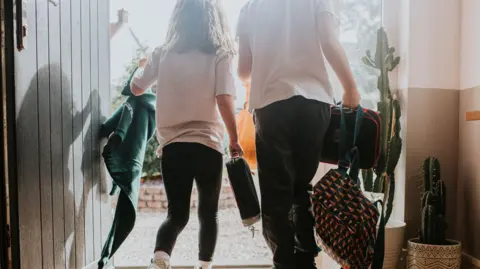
(379, 252)
(348, 152)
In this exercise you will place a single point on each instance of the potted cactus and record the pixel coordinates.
(432, 249)
(379, 183)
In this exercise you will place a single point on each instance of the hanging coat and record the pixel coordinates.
(128, 131)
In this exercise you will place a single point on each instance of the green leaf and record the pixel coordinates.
(394, 151)
(391, 196)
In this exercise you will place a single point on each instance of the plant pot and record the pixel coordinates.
(424, 256)
(394, 236)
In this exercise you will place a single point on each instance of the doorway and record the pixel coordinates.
(65, 214)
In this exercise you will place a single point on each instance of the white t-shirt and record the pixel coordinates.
(287, 57)
(187, 86)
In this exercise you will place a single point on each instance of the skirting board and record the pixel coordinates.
(470, 262)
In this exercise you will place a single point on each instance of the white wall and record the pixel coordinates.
(470, 47)
(434, 44)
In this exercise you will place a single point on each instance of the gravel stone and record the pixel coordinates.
(235, 244)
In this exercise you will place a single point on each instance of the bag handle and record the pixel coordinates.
(349, 154)
(379, 252)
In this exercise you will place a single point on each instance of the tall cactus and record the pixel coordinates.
(390, 113)
(433, 224)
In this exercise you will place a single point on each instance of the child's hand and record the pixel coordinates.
(142, 62)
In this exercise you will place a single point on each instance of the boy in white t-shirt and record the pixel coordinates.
(282, 45)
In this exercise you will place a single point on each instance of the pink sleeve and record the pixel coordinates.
(224, 81)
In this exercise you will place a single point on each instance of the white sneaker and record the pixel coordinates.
(200, 267)
(159, 264)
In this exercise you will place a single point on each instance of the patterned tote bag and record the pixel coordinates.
(345, 220)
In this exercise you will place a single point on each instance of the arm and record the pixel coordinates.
(327, 26)
(124, 121)
(123, 118)
(244, 60)
(244, 53)
(144, 79)
(225, 94)
(335, 53)
(227, 111)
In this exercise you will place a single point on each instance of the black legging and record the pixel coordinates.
(182, 163)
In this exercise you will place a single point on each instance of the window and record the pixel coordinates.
(360, 20)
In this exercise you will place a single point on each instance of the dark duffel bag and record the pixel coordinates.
(368, 140)
(244, 190)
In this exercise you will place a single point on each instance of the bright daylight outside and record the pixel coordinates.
(145, 29)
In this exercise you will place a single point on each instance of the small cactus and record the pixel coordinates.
(433, 224)
(390, 113)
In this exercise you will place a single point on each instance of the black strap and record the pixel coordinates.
(379, 253)
(348, 152)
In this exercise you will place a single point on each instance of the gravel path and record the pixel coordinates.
(235, 244)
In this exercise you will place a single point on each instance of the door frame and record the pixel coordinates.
(4, 230)
(9, 145)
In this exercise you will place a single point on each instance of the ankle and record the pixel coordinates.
(205, 265)
(161, 256)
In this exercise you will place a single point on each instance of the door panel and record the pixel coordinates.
(62, 94)
(3, 179)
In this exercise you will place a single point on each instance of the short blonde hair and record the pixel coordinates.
(199, 25)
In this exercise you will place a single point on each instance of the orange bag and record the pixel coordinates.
(246, 133)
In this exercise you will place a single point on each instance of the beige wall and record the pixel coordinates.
(433, 73)
(468, 191)
(429, 76)
(468, 208)
(431, 130)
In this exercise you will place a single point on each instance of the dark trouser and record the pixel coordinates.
(289, 138)
(182, 163)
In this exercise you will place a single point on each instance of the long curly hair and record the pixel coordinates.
(199, 25)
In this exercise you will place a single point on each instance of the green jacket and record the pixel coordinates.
(128, 129)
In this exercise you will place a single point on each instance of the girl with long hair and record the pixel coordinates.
(193, 72)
